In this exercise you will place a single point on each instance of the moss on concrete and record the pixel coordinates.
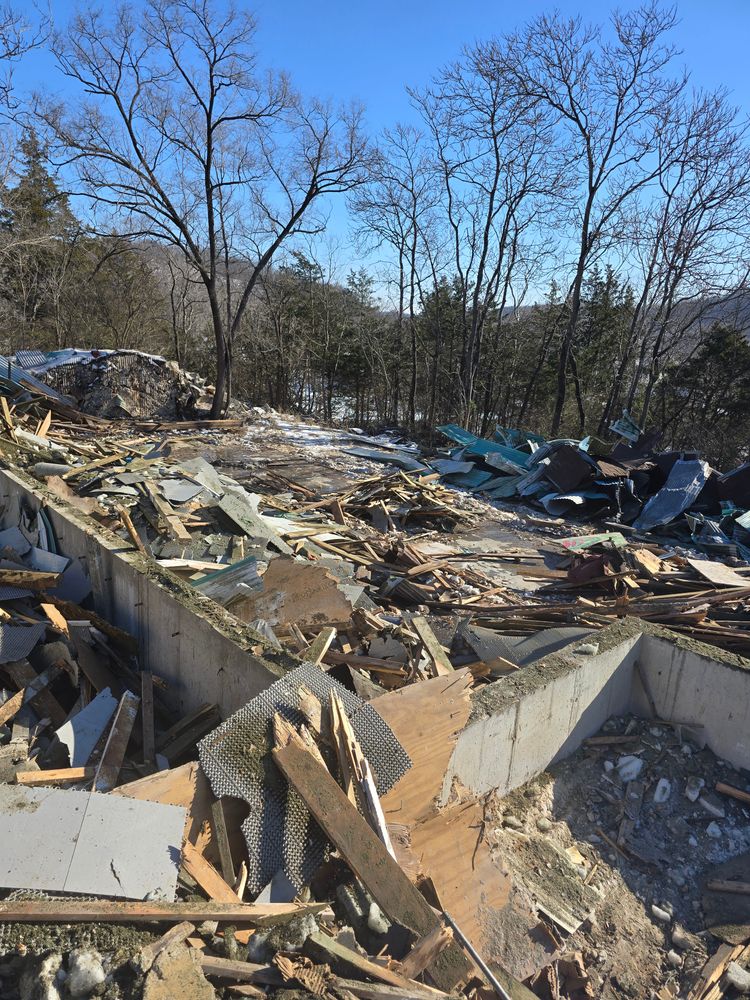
(493, 698)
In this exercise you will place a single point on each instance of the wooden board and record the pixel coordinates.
(426, 718)
(717, 573)
(55, 776)
(325, 950)
(23, 674)
(117, 742)
(206, 876)
(71, 911)
(434, 650)
(366, 855)
(28, 579)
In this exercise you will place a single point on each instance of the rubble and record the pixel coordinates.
(316, 836)
(122, 384)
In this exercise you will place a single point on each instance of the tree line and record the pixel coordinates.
(560, 232)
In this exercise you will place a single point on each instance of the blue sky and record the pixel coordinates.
(369, 51)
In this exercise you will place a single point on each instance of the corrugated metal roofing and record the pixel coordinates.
(30, 359)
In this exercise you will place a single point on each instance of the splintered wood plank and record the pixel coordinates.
(432, 647)
(98, 463)
(58, 620)
(206, 876)
(219, 827)
(425, 951)
(325, 950)
(7, 419)
(174, 525)
(127, 523)
(320, 645)
(71, 911)
(366, 855)
(23, 675)
(10, 707)
(426, 718)
(55, 776)
(714, 969)
(44, 425)
(117, 743)
(180, 932)
(74, 612)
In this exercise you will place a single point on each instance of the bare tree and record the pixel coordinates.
(493, 156)
(396, 210)
(694, 237)
(609, 99)
(186, 141)
(19, 34)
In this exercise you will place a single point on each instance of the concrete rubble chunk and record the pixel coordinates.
(737, 977)
(176, 975)
(86, 973)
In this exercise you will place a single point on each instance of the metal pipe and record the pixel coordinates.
(501, 992)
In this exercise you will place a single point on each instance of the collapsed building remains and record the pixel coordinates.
(276, 721)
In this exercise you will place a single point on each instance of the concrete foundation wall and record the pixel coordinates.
(202, 652)
(689, 686)
(560, 703)
(547, 722)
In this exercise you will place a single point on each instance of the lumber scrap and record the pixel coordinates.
(425, 951)
(98, 463)
(113, 755)
(127, 523)
(74, 612)
(344, 961)
(72, 911)
(55, 776)
(219, 827)
(10, 707)
(366, 855)
(23, 675)
(174, 525)
(727, 885)
(230, 971)
(206, 876)
(712, 972)
(432, 647)
(179, 932)
(320, 645)
(185, 733)
(735, 793)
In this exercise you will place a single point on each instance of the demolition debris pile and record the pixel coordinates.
(316, 839)
(121, 384)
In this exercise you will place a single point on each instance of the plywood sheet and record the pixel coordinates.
(717, 573)
(426, 719)
(297, 592)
